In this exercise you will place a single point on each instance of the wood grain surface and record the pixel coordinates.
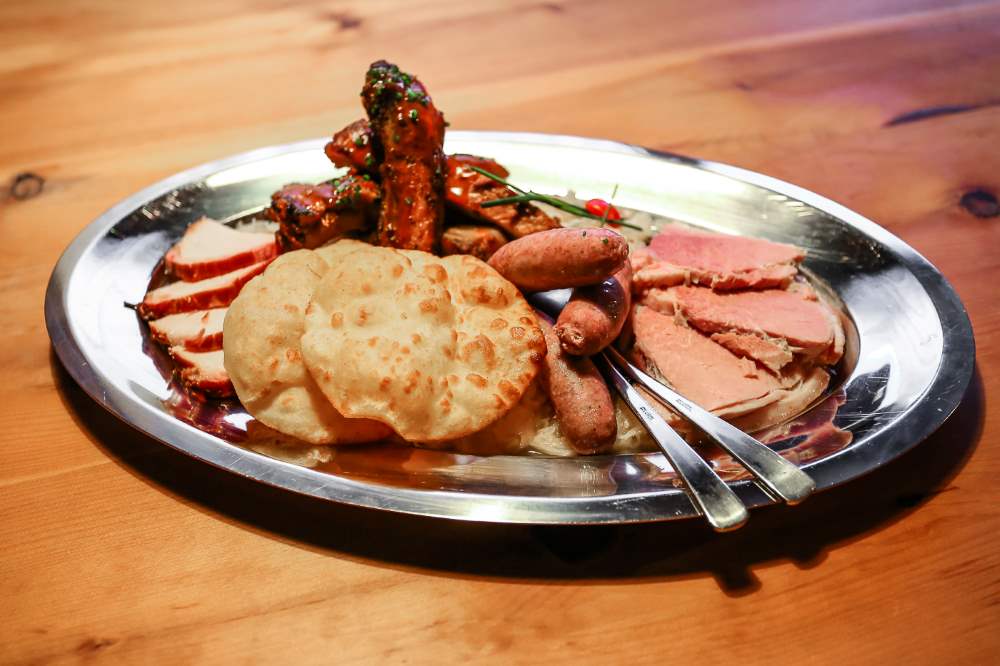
(115, 548)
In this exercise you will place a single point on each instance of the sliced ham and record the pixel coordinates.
(214, 292)
(210, 248)
(203, 371)
(727, 262)
(699, 368)
(772, 314)
(200, 330)
(772, 354)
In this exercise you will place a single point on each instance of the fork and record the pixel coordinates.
(778, 477)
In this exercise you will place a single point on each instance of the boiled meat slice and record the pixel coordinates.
(200, 330)
(210, 248)
(215, 292)
(203, 371)
(698, 368)
(772, 354)
(727, 262)
(773, 315)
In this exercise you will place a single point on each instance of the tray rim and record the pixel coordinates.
(954, 372)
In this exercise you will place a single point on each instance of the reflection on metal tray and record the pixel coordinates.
(909, 356)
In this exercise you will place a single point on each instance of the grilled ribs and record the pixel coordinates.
(407, 144)
(311, 215)
(465, 189)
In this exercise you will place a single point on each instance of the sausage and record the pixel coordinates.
(560, 258)
(579, 396)
(480, 242)
(594, 316)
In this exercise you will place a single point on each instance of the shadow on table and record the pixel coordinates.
(802, 535)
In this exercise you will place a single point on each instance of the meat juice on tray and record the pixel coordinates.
(360, 332)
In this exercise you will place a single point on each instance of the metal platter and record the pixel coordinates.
(909, 355)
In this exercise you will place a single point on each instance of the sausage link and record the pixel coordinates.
(594, 316)
(579, 396)
(561, 258)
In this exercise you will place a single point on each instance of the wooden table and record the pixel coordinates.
(115, 547)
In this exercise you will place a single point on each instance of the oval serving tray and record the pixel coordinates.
(909, 357)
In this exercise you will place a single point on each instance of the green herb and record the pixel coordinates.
(359, 140)
(414, 115)
(527, 196)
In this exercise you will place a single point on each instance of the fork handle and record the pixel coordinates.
(779, 476)
(710, 494)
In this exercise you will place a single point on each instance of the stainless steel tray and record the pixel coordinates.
(910, 351)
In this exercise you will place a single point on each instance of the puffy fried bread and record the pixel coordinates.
(261, 343)
(436, 348)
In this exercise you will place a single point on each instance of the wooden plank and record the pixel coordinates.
(117, 548)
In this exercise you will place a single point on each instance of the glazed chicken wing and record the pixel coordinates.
(465, 189)
(407, 143)
(311, 215)
(468, 190)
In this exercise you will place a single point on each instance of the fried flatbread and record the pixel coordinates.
(261, 343)
(436, 348)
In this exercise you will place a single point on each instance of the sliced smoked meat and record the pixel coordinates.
(200, 330)
(727, 262)
(772, 354)
(210, 248)
(698, 368)
(214, 292)
(203, 371)
(787, 316)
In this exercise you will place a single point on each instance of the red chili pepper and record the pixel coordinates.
(602, 208)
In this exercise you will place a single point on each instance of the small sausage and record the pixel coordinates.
(480, 242)
(579, 396)
(594, 316)
(561, 258)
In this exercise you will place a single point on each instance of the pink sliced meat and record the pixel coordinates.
(203, 371)
(784, 315)
(699, 368)
(214, 292)
(210, 248)
(727, 262)
(200, 330)
(772, 354)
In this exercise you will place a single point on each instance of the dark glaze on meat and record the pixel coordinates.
(311, 215)
(467, 190)
(351, 147)
(480, 242)
(407, 144)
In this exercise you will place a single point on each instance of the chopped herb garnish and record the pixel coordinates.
(414, 115)
(527, 196)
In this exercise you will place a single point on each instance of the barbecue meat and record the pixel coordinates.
(210, 248)
(480, 242)
(465, 190)
(216, 292)
(312, 215)
(468, 190)
(351, 148)
(407, 143)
